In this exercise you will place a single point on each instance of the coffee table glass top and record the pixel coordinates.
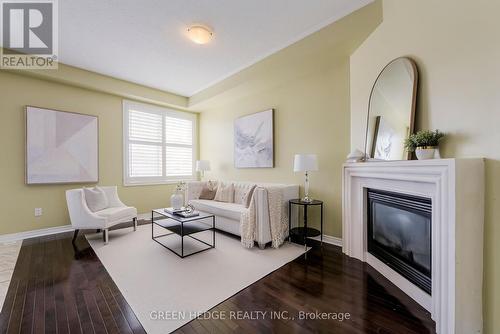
(202, 215)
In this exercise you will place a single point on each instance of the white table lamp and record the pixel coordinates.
(202, 166)
(305, 163)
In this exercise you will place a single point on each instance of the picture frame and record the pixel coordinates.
(254, 140)
(61, 147)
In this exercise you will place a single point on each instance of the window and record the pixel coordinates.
(158, 144)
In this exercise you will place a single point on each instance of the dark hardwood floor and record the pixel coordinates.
(55, 290)
(327, 282)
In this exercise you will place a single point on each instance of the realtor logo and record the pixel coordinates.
(29, 34)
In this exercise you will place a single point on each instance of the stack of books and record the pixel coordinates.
(183, 212)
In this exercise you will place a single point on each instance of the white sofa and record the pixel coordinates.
(228, 214)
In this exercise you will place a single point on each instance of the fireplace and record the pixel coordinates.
(456, 187)
(399, 234)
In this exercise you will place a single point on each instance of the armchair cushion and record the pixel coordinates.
(95, 198)
(118, 213)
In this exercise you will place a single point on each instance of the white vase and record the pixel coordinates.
(429, 152)
(177, 200)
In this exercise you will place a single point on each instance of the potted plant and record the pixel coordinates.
(425, 144)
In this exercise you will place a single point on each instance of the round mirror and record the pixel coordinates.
(391, 111)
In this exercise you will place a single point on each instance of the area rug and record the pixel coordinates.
(166, 291)
(9, 252)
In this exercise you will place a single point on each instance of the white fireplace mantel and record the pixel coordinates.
(456, 187)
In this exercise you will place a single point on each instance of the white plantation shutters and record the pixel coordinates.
(158, 144)
(145, 154)
(179, 146)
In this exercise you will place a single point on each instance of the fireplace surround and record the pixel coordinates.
(456, 190)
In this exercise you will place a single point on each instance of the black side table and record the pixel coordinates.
(304, 232)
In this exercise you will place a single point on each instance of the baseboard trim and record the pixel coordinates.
(330, 240)
(4, 238)
(144, 216)
(35, 233)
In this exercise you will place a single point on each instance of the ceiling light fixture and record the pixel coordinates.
(200, 34)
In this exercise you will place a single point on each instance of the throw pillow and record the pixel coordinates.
(96, 198)
(207, 193)
(212, 185)
(248, 196)
(225, 193)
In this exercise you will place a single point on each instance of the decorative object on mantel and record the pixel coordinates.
(61, 147)
(391, 110)
(356, 156)
(305, 163)
(177, 198)
(254, 140)
(202, 166)
(425, 144)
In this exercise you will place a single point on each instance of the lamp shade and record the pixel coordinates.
(305, 163)
(202, 165)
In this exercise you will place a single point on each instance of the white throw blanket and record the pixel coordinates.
(277, 219)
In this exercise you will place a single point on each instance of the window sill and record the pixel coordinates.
(155, 183)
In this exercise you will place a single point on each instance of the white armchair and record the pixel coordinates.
(83, 218)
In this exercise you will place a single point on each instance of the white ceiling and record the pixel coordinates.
(145, 41)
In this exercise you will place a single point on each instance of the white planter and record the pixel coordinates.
(177, 200)
(427, 153)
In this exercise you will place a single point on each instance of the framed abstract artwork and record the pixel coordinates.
(386, 141)
(254, 140)
(61, 147)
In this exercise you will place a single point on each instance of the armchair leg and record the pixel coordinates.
(74, 236)
(105, 236)
(135, 224)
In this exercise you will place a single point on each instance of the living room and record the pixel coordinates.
(164, 121)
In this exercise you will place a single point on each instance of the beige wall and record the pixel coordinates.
(308, 85)
(17, 200)
(456, 46)
(311, 116)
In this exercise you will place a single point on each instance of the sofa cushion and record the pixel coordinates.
(207, 193)
(225, 193)
(248, 196)
(118, 213)
(228, 210)
(242, 191)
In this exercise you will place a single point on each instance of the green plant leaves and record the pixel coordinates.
(423, 138)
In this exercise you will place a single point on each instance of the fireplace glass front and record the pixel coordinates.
(399, 234)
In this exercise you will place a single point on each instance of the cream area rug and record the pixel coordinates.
(166, 291)
(8, 257)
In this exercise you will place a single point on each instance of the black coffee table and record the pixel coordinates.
(183, 227)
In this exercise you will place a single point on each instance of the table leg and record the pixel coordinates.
(213, 230)
(305, 230)
(152, 227)
(182, 240)
(289, 222)
(321, 224)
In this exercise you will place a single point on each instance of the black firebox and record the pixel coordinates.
(399, 234)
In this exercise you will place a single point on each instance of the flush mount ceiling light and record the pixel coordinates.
(200, 34)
